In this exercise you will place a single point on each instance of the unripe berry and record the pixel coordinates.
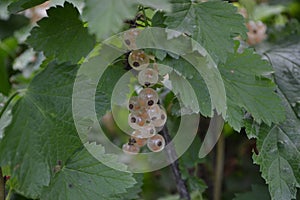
(148, 77)
(149, 95)
(138, 60)
(156, 143)
(130, 148)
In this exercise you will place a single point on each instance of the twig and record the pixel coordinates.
(2, 186)
(219, 168)
(180, 183)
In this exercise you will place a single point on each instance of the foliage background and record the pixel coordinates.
(40, 150)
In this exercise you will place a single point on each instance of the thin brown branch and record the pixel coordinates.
(219, 168)
(180, 183)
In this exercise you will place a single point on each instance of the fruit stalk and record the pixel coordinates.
(180, 183)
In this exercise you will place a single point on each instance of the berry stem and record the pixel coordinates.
(180, 183)
(2, 186)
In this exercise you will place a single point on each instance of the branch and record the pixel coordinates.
(219, 168)
(2, 186)
(180, 183)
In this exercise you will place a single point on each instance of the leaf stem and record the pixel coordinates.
(180, 183)
(2, 186)
(145, 16)
(8, 102)
(219, 168)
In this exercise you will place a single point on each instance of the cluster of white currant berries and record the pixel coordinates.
(146, 116)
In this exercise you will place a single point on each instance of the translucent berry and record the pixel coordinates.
(158, 129)
(146, 131)
(160, 119)
(149, 95)
(153, 111)
(130, 148)
(138, 139)
(148, 77)
(130, 38)
(135, 121)
(156, 143)
(133, 104)
(138, 60)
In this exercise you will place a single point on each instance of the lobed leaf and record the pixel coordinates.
(279, 155)
(62, 35)
(105, 18)
(84, 177)
(213, 24)
(286, 63)
(42, 134)
(248, 88)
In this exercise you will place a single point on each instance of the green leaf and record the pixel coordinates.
(279, 155)
(7, 49)
(105, 87)
(12, 24)
(42, 130)
(19, 5)
(42, 134)
(4, 121)
(247, 88)
(286, 63)
(106, 17)
(157, 4)
(194, 78)
(213, 24)
(62, 35)
(84, 177)
(133, 192)
(257, 192)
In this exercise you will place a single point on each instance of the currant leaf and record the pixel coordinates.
(33, 146)
(84, 177)
(196, 81)
(248, 88)
(101, 17)
(213, 24)
(284, 59)
(279, 155)
(62, 35)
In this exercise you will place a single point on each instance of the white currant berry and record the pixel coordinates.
(133, 103)
(135, 121)
(160, 119)
(130, 38)
(156, 143)
(158, 129)
(139, 140)
(153, 111)
(138, 60)
(148, 77)
(146, 131)
(149, 95)
(130, 148)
